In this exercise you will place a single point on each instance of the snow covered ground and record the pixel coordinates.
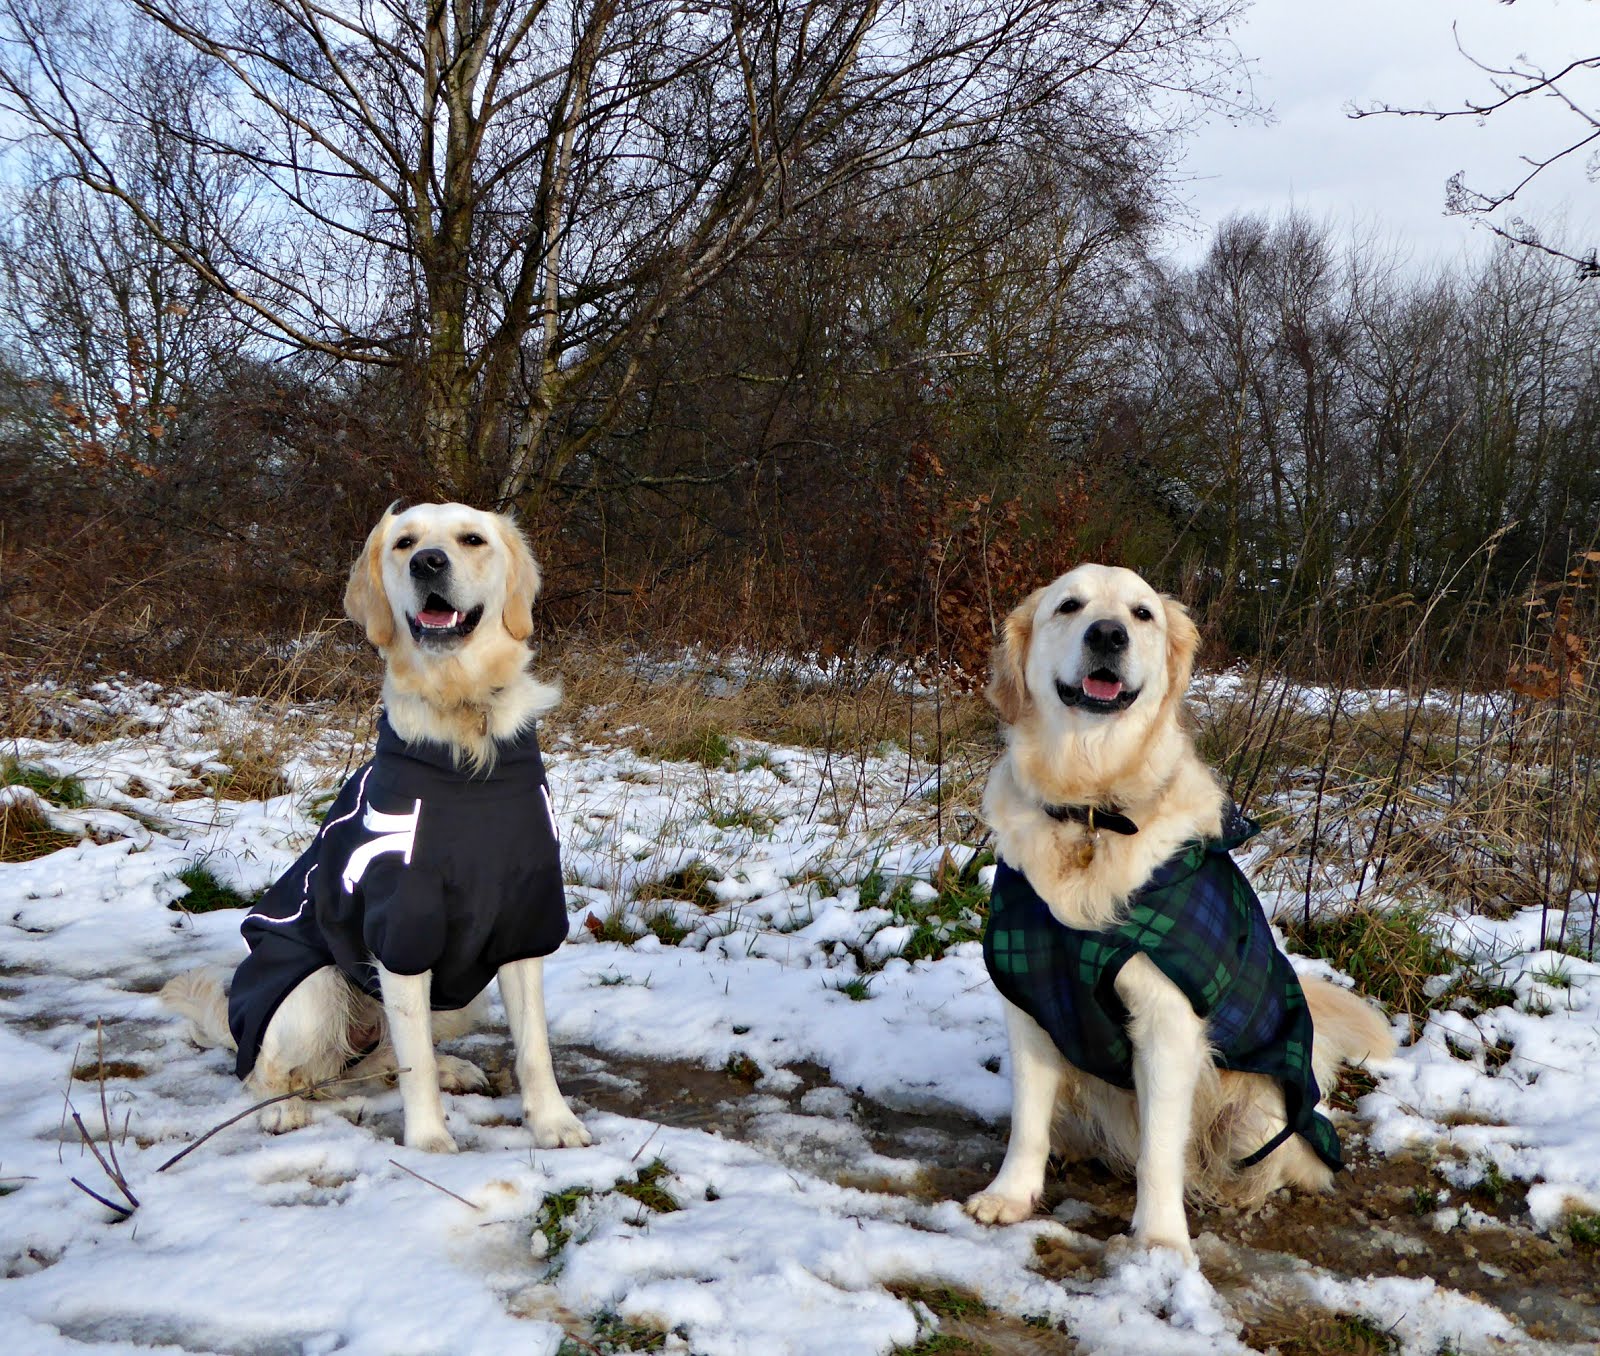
(772, 898)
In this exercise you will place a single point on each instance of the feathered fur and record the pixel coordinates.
(465, 688)
(1188, 1124)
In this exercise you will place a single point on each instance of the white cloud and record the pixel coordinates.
(1387, 175)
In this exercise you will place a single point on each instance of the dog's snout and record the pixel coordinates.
(1106, 637)
(429, 563)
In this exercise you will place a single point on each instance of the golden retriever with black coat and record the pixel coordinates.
(436, 869)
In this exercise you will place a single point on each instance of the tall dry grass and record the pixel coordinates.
(1408, 782)
(694, 708)
(298, 691)
(1390, 778)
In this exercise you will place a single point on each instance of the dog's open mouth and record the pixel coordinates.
(1101, 691)
(436, 621)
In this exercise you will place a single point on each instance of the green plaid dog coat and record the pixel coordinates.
(1198, 919)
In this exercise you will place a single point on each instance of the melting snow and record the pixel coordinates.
(321, 1241)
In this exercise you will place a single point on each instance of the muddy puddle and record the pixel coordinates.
(1381, 1220)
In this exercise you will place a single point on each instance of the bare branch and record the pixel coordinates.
(306, 1091)
(472, 1205)
(1513, 84)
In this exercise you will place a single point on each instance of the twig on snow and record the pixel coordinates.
(121, 1210)
(112, 1167)
(66, 1103)
(268, 1101)
(115, 1174)
(105, 1111)
(642, 1147)
(430, 1182)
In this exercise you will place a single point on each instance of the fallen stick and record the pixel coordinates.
(121, 1210)
(268, 1101)
(430, 1182)
(105, 1111)
(116, 1177)
(66, 1104)
(647, 1140)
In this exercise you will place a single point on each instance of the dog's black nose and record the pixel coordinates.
(1106, 637)
(429, 563)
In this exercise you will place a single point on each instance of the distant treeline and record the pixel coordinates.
(897, 441)
(799, 325)
(879, 433)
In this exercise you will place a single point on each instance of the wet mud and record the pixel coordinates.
(1385, 1217)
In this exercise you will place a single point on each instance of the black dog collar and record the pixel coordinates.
(1093, 817)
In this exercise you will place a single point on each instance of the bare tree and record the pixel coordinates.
(117, 332)
(506, 198)
(1574, 85)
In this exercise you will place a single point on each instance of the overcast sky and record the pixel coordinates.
(1387, 175)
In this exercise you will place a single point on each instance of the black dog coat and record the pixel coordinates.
(419, 866)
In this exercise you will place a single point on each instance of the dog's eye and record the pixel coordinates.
(471, 539)
(1143, 613)
(1069, 605)
(404, 543)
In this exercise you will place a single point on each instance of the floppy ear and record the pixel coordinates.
(522, 579)
(365, 601)
(1008, 684)
(1183, 642)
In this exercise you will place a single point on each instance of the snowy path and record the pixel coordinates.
(793, 1223)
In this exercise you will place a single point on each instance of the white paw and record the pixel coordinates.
(461, 1075)
(431, 1141)
(991, 1207)
(1150, 1240)
(555, 1127)
(282, 1117)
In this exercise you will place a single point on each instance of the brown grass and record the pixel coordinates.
(94, 1071)
(1478, 796)
(328, 680)
(691, 883)
(1485, 800)
(708, 713)
(25, 832)
(1295, 1331)
(327, 665)
(606, 690)
(254, 762)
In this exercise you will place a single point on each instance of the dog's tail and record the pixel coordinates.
(202, 997)
(1349, 1030)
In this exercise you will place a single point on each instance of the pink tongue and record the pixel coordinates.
(1102, 689)
(437, 618)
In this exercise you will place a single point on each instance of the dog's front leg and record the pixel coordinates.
(544, 1110)
(1169, 1051)
(1036, 1070)
(408, 1006)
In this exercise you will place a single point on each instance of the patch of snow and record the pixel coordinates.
(318, 1241)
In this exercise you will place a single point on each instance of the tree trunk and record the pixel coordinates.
(446, 423)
